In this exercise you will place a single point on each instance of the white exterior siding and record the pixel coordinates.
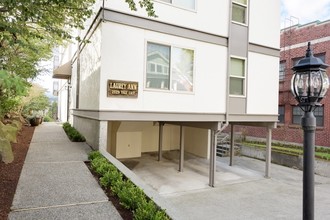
(90, 64)
(264, 23)
(129, 63)
(210, 16)
(262, 84)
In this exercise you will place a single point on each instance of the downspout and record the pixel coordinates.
(68, 101)
(222, 126)
(225, 125)
(78, 76)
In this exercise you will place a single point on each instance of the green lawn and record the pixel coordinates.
(320, 152)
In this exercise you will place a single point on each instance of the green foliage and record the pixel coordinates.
(130, 196)
(147, 4)
(112, 179)
(12, 88)
(295, 150)
(8, 133)
(72, 133)
(147, 210)
(93, 154)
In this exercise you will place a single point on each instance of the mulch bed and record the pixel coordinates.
(124, 213)
(9, 173)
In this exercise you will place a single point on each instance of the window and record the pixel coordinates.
(239, 11)
(237, 76)
(190, 4)
(282, 70)
(281, 113)
(297, 113)
(320, 55)
(318, 113)
(169, 68)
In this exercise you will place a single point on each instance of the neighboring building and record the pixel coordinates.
(293, 47)
(153, 84)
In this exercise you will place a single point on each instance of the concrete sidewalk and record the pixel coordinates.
(55, 183)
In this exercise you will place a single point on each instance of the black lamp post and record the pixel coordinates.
(309, 85)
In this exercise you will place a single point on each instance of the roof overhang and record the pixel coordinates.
(63, 71)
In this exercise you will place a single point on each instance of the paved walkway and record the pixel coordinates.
(56, 184)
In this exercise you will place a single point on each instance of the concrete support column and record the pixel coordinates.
(212, 158)
(268, 152)
(181, 148)
(103, 135)
(232, 142)
(160, 140)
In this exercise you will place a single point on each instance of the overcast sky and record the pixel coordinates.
(304, 11)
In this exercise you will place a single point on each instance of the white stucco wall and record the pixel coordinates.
(124, 58)
(90, 64)
(197, 141)
(262, 84)
(90, 129)
(62, 104)
(264, 23)
(210, 16)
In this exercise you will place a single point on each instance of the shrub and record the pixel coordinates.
(148, 210)
(130, 196)
(94, 154)
(72, 133)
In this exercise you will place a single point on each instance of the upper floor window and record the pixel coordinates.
(319, 55)
(169, 68)
(239, 11)
(282, 71)
(190, 4)
(281, 113)
(237, 76)
(297, 113)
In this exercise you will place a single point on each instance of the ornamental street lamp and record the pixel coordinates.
(309, 85)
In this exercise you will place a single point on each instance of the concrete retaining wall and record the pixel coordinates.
(322, 167)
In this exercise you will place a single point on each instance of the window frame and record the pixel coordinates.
(316, 116)
(169, 90)
(239, 77)
(282, 76)
(280, 116)
(179, 6)
(246, 12)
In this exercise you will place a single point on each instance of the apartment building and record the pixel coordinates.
(294, 41)
(173, 82)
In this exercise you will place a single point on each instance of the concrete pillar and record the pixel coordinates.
(181, 148)
(103, 135)
(232, 142)
(212, 158)
(160, 141)
(268, 152)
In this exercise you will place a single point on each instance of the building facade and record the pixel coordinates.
(173, 82)
(293, 47)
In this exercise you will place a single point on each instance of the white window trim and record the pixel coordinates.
(170, 69)
(179, 7)
(246, 13)
(239, 77)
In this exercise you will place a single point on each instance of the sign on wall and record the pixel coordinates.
(122, 88)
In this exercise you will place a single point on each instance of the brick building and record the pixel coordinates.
(293, 47)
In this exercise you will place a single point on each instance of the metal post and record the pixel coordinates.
(181, 148)
(231, 145)
(268, 152)
(212, 159)
(308, 123)
(160, 141)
